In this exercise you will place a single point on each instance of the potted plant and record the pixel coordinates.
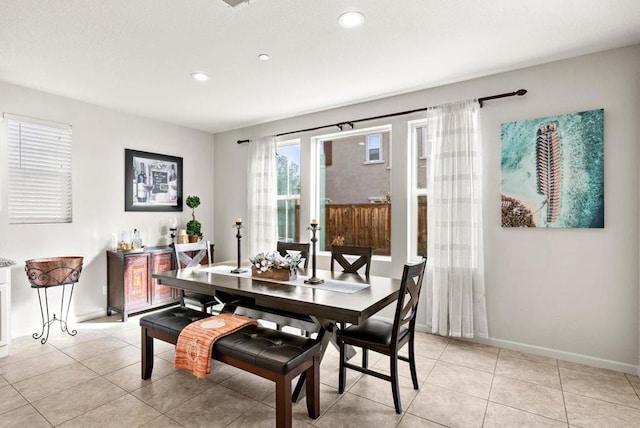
(193, 226)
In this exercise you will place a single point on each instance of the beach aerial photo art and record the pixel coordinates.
(553, 171)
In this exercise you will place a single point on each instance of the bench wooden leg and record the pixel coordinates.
(313, 388)
(147, 354)
(283, 402)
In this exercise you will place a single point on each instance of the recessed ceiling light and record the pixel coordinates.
(264, 57)
(200, 76)
(351, 19)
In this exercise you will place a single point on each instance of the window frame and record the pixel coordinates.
(49, 145)
(290, 197)
(417, 153)
(315, 172)
(367, 149)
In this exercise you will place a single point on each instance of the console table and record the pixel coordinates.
(130, 287)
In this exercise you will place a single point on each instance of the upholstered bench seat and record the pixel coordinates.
(271, 354)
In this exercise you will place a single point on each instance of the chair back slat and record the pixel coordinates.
(364, 260)
(407, 305)
(192, 254)
(300, 247)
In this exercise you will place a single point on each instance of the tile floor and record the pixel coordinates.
(93, 380)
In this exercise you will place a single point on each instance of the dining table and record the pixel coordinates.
(340, 298)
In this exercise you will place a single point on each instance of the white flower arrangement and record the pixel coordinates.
(264, 262)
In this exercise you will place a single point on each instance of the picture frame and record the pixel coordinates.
(152, 181)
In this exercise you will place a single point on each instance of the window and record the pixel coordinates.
(420, 159)
(354, 199)
(288, 199)
(374, 148)
(39, 166)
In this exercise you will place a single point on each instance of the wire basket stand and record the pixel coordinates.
(53, 272)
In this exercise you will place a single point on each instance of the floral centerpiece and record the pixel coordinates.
(275, 266)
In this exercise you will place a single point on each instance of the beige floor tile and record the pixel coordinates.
(328, 396)
(411, 421)
(23, 417)
(250, 385)
(329, 369)
(54, 381)
(635, 382)
(474, 357)
(589, 412)
(221, 371)
(3, 382)
(162, 421)
(380, 390)
(215, 407)
(591, 370)
(263, 416)
(461, 379)
(11, 399)
(508, 353)
(127, 410)
(61, 340)
(352, 411)
(607, 388)
(171, 391)
(428, 345)
(499, 416)
(423, 367)
(530, 371)
(25, 348)
(529, 397)
(77, 400)
(28, 368)
(93, 348)
(130, 378)
(113, 360)
(448, 407)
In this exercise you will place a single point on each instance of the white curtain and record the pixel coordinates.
(262, 222)
(455, 266)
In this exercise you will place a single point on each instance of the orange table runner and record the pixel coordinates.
(195, 343)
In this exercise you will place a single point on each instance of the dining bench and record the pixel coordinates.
(270, 354)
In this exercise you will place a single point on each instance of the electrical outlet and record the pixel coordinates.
(104, 289)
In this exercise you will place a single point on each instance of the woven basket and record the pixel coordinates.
(53, 271)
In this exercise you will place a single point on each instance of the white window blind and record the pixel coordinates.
(39, 157)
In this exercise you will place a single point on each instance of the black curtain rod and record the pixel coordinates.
(341, 125)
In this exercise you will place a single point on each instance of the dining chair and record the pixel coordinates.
(192, 255)
(385, 337)
(301, 247)
(365, 254)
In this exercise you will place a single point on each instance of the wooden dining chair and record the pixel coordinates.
(364, 254)
(300, 247)
(385, 337)
(192, 255)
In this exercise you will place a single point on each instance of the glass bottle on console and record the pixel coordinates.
(141, 190)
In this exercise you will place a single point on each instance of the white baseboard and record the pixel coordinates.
(551, 353)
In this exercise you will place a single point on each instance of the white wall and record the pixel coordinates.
(573, 293)
(99, 139)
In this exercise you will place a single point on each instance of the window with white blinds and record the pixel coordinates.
(39, 179)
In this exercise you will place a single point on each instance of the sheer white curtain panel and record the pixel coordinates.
(455, 268)
(262, 226)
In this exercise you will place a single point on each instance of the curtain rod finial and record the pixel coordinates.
(521, 92)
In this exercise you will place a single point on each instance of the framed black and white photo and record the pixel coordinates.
(152, 182)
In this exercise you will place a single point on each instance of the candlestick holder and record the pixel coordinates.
(238, 226)
(313, 280)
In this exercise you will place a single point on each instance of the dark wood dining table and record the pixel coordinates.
(324, 307)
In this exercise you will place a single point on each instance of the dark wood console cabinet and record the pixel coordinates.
(130, 287)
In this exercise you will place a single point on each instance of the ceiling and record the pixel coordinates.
(136, 56)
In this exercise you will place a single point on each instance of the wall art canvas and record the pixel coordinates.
(553, 171)
(152, 181)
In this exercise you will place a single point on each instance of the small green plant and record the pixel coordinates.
(193, 226)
